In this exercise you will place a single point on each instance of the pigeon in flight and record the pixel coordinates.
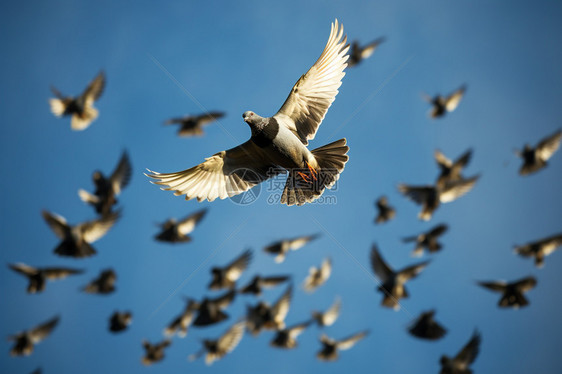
(103, 284)
(427, 240)
(154, 352)
(258, 283)
(25, 340)
(181, 323)
(329, 317)
(278, 142)
(38, 276)
(119, 321)
(193, 125)
(104, 196)
(287, 338)
(451, 170)
(540, 249)
(385, 211)
(178, 231)
(210, 311)
(425, 327)
(443, 104)
(227, 276)
(263, 316)
(359, 53)
(282, 247)
(81, 108)
(512, 293)
(76, 239)
(429, 197)
(318, 276)
(217, 349)
(393, 281)
(534, 159)
(330, 347)
(461, 362)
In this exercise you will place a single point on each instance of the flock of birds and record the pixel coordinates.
(277, 144)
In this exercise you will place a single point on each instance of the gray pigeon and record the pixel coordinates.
(154, 352)
(282, 247)
(38, 276)
(264, 316)
(425, 327)
(278, 142)
(227, 276)
(193, 125)
(103, 284)
(210, 311)
(80, 108)
(427, 240)
(329, 317)
(451, 170)
(25, 340)
(512, 293)
(287, 338)
(181, 323)
(385, 211)
(540, 249)
(443, 104)
(330, 347)
(535, 159)
(317, 276)
(392, 285)
(119, 321)
(217, 349)
(359, 53)
(178, 231)
(460, 364)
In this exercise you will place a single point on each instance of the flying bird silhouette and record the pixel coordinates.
(210, 311)
(443, 104)
(25, 340)
(103, 284)
(282, 247)
(76, 239)
(107, 188)
(38, 276)
(318, 276)
(258, 283)
(540, 249)
(278, 142)
(181, 323)
(178, 231)
(81, 108)
(329, 317)
(425, 327)
(217, 349)
(330, 347)
(385, 211)
(460, 364)
(512, 293)
(359, 53)
(154, 352)
(119, 321)
(427, 240)
(193, 125)
(287, 338)
(263, 316)
(535, 159)
(227, 276)
(451, 171)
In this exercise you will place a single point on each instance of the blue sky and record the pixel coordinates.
(246, 56)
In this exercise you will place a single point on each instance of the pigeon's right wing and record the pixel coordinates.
(464, 159)
(314, 92)
(411, 271)
(418, 194)
(231, 338)
(350, 341)
(469, 352)
(273, 281)
(42, 331)
(442, 160)
(206, 118)
(453, 190)
(332, 313)
(298, 243)
(23, 269)
(235, 269)
(225, 174)
(224, 301)
(381, 269)
(281, 307)
(122, 174)
(95, 88)
(453, 100)
(438, 230)
(57, 223)
(57, 93)
(187, 225)
(94, 230)
(499, 286)
(550, 244)
(369, 49)
(548, 146)
(525, 284)
(59, 273)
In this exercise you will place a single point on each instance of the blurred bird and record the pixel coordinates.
(103, 284)
(193, 125)
(263, 316)
(80, 108)
(38, 276)
(76, 239)
(287, 338)
(178, 231)
(210, 311)
(278, 142)
(318, 276)
(393, 281)
(330, 347)
(25, 340)
(119, 321)
(540, 249)
(329, 316)
(258, 283)
(385, 211)
(451, 170)
(461, 362)
(358, 53)
(154, 352)
(534, 159)
(443, 104)
(425, 327)
(227, 276)
(512, 293)
(217, 349)
(429, 197)
(104, 196)
(181, 323)
(427, 240)
(282, 247)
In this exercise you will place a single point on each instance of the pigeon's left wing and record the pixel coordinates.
(350, 341)
(381, 269)
(231, 338)
(94, 230)
(411, 271)
(453, 100)
(94, 89)
(187, 225)
(60, 273)
(469, 352)
(42, 331)
(122, 174)
(314, 92)
(235, 268)
(456, 189)
(525, 284)
(548, 146)
(369, 49)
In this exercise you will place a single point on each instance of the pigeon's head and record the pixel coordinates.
(251, 118)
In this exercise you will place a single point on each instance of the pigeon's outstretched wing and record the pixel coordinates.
(381, 269)
(187, 225)
(225, 174)
(452, 101)
(547, 147)
(349, 342)
(42, 331)
(94, 89)
(57, 223)
(94, 230)
(314, 92)
(122, 174)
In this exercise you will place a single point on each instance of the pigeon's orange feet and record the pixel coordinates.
(313, 171)
(305, 177)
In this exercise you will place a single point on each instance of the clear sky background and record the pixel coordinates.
(238, 56)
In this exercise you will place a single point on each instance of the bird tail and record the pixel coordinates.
(331, 160)
(58, 107)
(81, 121)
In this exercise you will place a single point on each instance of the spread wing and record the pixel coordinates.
(369, 49)
(456, 189)
(281, 308)
(94, 230)
(332, 313)
(314, 92)
(225, 174)
(231, 338)
(548, 146)
(42, 331)
(418, 194)
(23, 269)
(187, 225)
(273, 281)
(235, 269)
(525, 284)
(59, 273)
(95, 88)
(122, 174)
(469, 352)
(298, 243)
(56, 223)
(549, 245)
(438, 230)
(411, 271)
(442, 160)
(350, 341)
(224, 301)
(381, 269)
(498, 286)
(453, 100)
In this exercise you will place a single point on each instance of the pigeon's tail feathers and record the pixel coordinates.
(307, 185)
(80, 121)
(58, 107)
